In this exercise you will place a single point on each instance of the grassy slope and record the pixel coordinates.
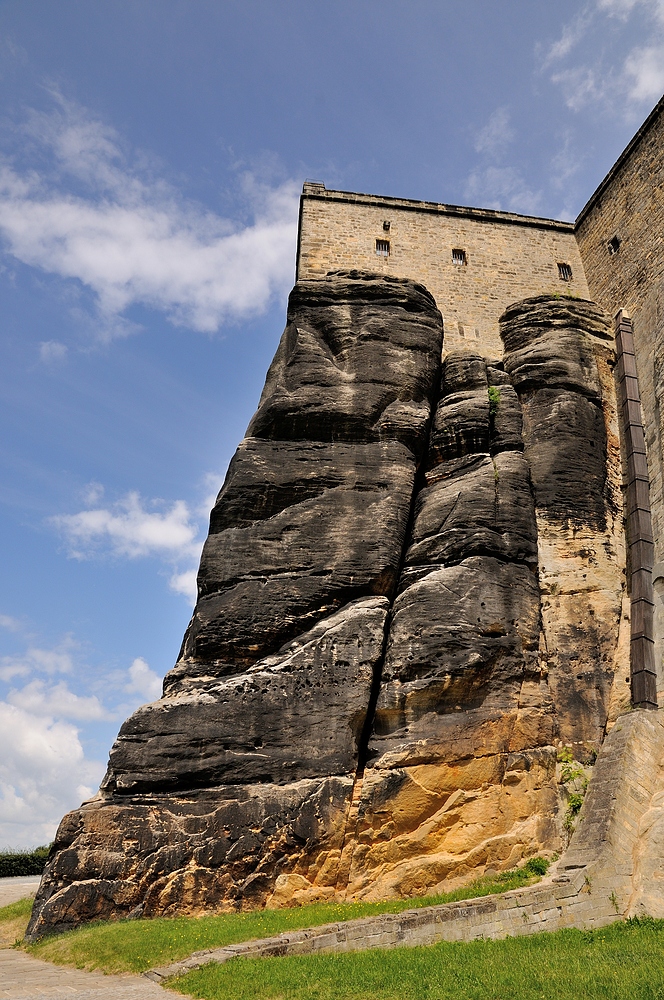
(134, 946)
(622, 962)
(14, 920)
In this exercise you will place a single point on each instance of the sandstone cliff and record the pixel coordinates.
(410, 596)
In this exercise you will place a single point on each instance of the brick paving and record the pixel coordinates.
(25, 978)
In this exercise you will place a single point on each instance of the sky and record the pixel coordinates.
(151, 158)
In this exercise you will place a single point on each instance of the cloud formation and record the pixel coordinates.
(605, 75)
(129, 529)
(496, 135)
(44, 769)
(58, 660)
(43, 773)
(130, 238)
(132, 528)
(494, 184)
(502, 188)
(52, 350)
(143, 681)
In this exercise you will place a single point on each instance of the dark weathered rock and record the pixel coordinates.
(268, 701)
(296, 714)
(482, 506)
(315, 505)
(264, 582)
(409, 596)
(213, 849)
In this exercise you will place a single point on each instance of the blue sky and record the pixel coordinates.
(151, 157)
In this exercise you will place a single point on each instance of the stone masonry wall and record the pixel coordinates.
(508, 257)
(628, 209)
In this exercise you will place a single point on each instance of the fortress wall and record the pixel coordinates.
(509, 257)
(629, 205)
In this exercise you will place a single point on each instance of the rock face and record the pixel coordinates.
(411, 595)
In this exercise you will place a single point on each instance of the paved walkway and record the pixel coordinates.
(23, 977)
(15, 888)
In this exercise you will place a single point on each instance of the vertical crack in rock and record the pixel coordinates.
(463, 634)
(351, 826)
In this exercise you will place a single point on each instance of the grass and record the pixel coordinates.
(138, 945)
(14, 920)
(622, 962)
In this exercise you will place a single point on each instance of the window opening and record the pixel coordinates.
(459, 257)
(564, 272)
(383, 248)
(386, 225)
(614, 245)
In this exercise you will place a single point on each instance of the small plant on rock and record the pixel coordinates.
(494, 401)
(537, 866)
(572, 774)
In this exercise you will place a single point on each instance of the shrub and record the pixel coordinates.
(537, 866)
(13, 863)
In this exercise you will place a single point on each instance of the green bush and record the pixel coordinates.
(537, 866)
(13, 863)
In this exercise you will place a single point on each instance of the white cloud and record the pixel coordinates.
(603, 75)
(645, 68)
(129, 529)
(44, 771)
(11, 624)
(52, 350)
(49, 661)
(211, 484)
(134, 528)
(93, 493)
(133, 239)
(185, 584)
(572, 34)
(581, 86)
(620, 8)
(56, 701)
(501, 188)
(496, 135)
(43, 774)
(143, 681)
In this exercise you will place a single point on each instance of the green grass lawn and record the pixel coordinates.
(138, 945)
(622, 962)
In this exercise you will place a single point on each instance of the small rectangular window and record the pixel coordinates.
(564, 272)
(383, 248)
(458, 256)
(614, 245)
